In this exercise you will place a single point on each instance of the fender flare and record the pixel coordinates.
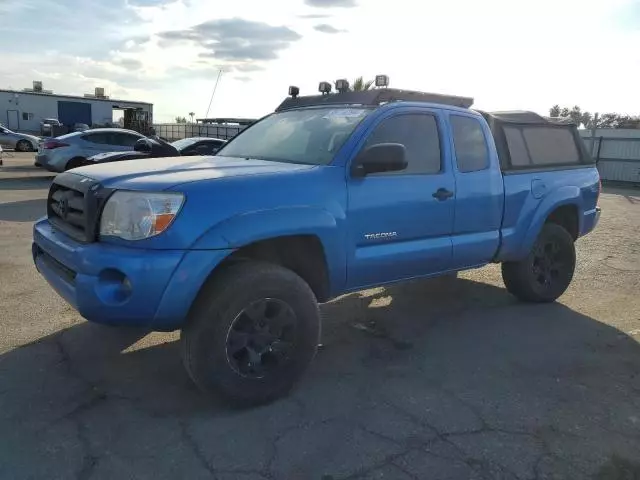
(247, 228)
(567, 195)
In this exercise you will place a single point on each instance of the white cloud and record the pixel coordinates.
(506, 53)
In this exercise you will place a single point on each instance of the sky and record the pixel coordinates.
(507, 54)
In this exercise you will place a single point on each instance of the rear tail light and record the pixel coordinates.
(51, 144)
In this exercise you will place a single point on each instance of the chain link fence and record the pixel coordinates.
(176, 131)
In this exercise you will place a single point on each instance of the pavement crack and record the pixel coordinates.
(195, 448)
(67, 361)
(90, 460)
(363, 472)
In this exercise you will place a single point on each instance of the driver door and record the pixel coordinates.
(399, 227)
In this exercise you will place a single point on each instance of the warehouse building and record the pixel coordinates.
(24, 110)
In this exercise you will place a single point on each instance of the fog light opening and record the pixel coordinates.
(114, 286)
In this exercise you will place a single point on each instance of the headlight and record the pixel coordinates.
(138, 215)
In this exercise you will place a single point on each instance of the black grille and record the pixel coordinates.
(72, 205)
(67, 207)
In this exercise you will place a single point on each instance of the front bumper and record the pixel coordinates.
(44, 161)
(122, 286)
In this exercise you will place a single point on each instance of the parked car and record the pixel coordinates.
(20, 142)
(330, 194)
(80, 127)
(72, 150)
(198, 146)
(157, 148)
(47, 126)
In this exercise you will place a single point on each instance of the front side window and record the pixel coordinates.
(470, 144)
(312, 136)
(419, 135)
(124, 139)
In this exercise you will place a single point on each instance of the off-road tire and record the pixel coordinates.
(524, 280)
(204, 338)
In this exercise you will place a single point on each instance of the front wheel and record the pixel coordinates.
(24, 146)
(252, 333)
(547, 271)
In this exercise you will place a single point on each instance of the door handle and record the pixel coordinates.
(442, 194)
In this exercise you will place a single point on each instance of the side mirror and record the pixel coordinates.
(382, 157)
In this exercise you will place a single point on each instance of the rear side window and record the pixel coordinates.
(470, 144)
(541, 146)
(100, 138)
(419, 135)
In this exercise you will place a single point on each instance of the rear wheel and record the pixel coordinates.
(252, 333)
(24, 146)
(75, 163)
(547, 271)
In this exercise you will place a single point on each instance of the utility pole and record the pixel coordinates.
(213, 93)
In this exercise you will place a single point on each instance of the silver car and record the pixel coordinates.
(18, 141)
(72, 150)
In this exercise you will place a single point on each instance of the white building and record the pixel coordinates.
(23, 110)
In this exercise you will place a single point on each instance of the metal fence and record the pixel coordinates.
(176, 131)
(618, 158)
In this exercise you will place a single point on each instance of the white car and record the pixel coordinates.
(73, 149)
(20, 142)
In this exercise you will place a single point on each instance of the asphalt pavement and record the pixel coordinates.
(448, 378)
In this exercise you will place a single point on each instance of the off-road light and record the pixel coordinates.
(382, 80)
(324, 87)
(294, 91)
(342, 85)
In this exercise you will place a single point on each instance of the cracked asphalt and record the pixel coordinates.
(440, 379)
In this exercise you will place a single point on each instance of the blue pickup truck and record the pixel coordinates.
(331, 193)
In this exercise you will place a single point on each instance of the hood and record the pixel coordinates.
(167, 172)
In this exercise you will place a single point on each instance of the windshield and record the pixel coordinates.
(184, 143)
(311, 136)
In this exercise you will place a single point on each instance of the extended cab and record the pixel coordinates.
(329, 194)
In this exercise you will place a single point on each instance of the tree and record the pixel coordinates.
(181, 120)
(606, 120)
(191, 114)
(359, 85)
